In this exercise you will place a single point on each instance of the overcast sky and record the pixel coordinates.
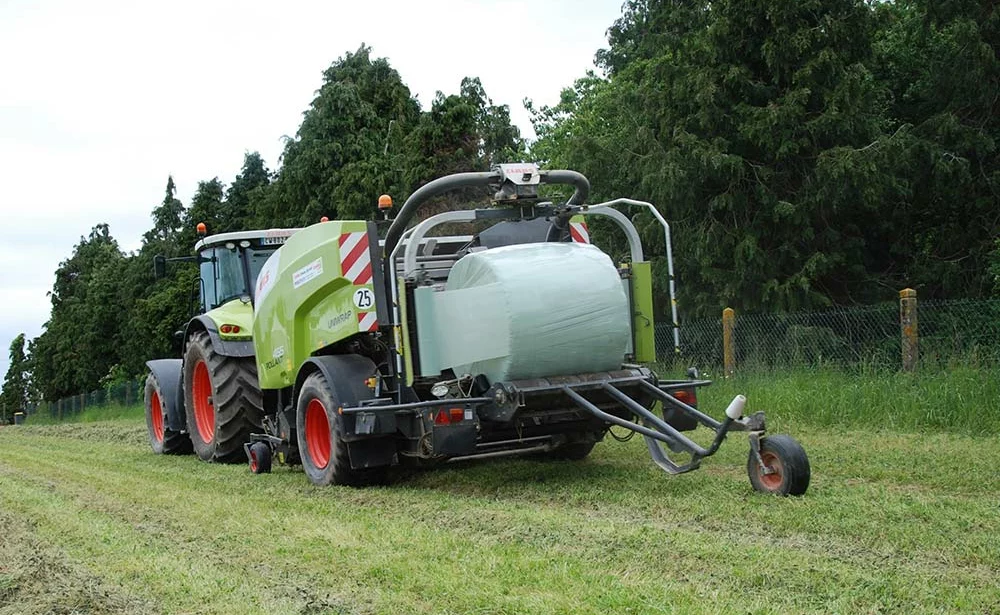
(100, 101)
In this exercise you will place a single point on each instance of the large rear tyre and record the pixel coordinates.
(788, 463)
(162, 439)
(223, 401)
(321, 446)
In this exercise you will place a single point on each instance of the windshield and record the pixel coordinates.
(222, 277)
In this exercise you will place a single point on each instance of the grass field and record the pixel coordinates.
(903, 520)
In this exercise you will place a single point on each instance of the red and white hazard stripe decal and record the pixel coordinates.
(367, 321)
(578, 232)
(355, 258)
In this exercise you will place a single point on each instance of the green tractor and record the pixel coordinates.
(417, 349)
(209, 400)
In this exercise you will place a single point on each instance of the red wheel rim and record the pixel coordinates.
(156, 416)
(317, 434)
(204, 411)
(772, 482)
(253, 461)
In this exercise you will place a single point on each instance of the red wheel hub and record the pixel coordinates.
(204, 410)
(156, 416)
(772, 482)
(253, 461)
(317, 434)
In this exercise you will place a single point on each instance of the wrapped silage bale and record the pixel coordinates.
(560, 306)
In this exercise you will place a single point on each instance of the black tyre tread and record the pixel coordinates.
(343, 473)
(796, 465)
(263, 452)
(236, 395)
(174, 442)
(574, 451)
(570, 451)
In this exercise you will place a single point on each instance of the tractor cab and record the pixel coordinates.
(230, 262)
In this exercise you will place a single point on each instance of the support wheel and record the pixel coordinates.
(786, 457)
(223, 400)
(260, 458)
(162, 439)
(321, 445)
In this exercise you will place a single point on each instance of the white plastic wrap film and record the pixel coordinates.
(563, 310)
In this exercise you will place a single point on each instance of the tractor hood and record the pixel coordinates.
(233, 320)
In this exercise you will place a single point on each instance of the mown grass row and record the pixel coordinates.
(901, 518)
(877, 532)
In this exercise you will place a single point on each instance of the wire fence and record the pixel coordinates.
(966, 330)
(948, 331)
(121, 394)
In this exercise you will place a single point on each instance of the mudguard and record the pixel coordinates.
(168, 374)
(347, 376)
(228, 348)
(345, 373)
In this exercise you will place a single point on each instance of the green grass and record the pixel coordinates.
(895, 521)
(962, 400)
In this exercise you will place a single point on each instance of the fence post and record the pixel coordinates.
(908, 327)
(728, 352)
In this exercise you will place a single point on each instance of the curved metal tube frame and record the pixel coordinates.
(669, 253)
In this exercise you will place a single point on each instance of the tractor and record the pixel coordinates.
(416, 347)
(209, 400)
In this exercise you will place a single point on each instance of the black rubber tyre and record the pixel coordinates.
(787, 457)
(223, 401)
(260, 458)
(571, 451)
(324, 454)
(162, 439)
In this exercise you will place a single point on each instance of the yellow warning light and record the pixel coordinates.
(385, 202)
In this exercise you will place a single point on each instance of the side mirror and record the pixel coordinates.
(159, 267)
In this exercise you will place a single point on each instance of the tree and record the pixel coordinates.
(78, 344)
(942, 145)
(808, 153)
(244, 192)
(338, 164)
(14, 396)
(206, 207)
(167, 217)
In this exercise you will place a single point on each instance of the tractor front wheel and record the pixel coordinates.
(788, 467)
(223, 401)
(321, 446)
(162, 439)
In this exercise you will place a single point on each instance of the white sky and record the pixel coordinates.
(100, 101)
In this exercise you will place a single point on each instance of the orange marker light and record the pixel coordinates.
(202, 229)
(385, 202)
(324, 219)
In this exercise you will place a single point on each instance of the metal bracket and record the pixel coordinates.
(364, 424)
(755, 448)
